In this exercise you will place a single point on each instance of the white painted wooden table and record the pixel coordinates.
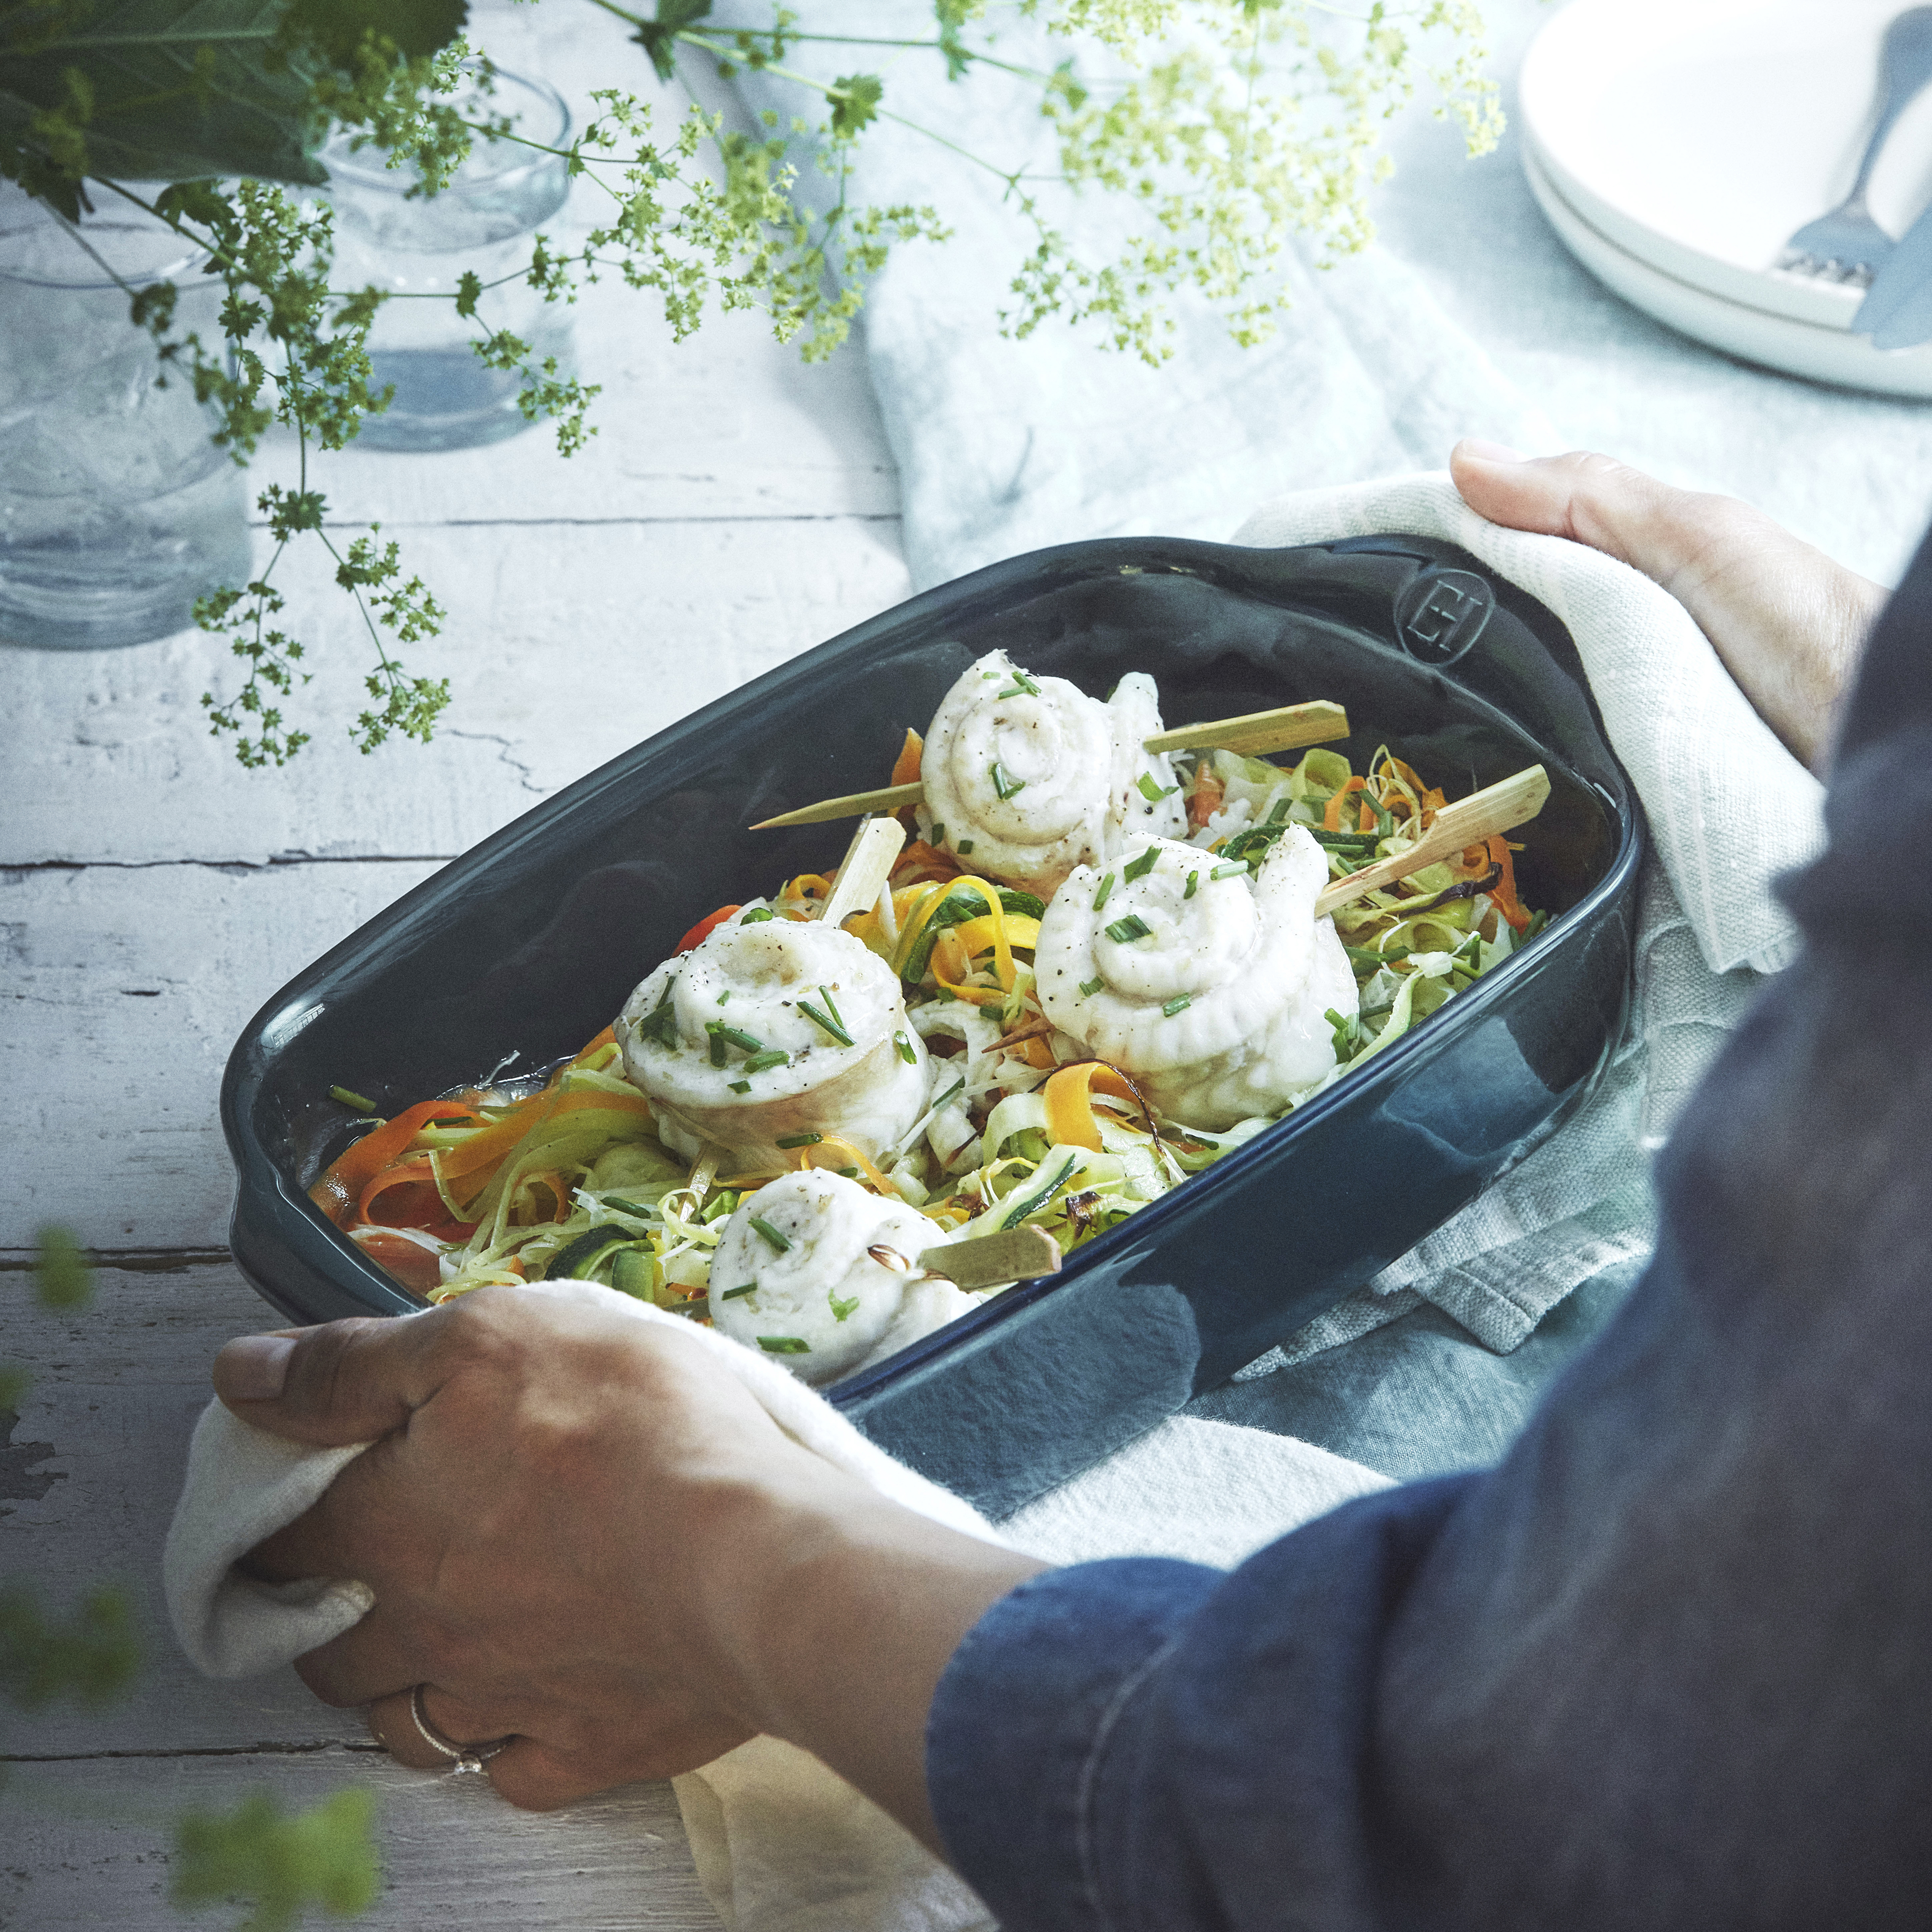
(736, 508)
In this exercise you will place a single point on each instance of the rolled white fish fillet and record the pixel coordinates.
(1217, 1008)
(1037, 778)
(765, 981)
(822, 1303)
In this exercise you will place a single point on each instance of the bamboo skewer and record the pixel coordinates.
(1285, 729)
(866, 866)
(1014, 1254)
(1496, 809)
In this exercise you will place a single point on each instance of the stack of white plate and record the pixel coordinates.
(1675, 145)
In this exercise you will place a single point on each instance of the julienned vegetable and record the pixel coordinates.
(1022, 1122)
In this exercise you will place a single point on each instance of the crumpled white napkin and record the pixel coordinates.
(1729, 809)
(781, 1844)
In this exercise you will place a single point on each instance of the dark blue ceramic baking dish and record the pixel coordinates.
(525, 947)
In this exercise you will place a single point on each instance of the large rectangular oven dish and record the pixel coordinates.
(525, 947)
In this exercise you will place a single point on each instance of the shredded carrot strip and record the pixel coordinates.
(1069, 1104)
(696, 936)
(905, 767)
(1502, 894)
(1331, 816)
(1209, 792)
(338, 1190)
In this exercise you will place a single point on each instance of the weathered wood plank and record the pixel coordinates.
(88, 1486)
(88, 1847)
(124, 990)
(565, 645)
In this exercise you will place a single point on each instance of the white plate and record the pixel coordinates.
(1697, 135)
(1826, 355)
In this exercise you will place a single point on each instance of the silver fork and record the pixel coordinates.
(1847, 246)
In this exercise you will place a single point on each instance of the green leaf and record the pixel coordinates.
(90, 1659)
(325, 1856)
(175, 90)
(659, 38)
(171, 89)
(855, 104)
(61, 1277)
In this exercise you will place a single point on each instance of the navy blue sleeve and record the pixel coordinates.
(1670, 1664)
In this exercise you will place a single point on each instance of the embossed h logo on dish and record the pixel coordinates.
(1441, 614)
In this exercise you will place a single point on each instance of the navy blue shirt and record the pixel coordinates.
(1669, 1664)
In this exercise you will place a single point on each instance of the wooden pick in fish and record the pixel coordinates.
(864, 870)
(887, 798)
(1282, 730)
(1014, 1254)
(1316, 723)
(1498, 808)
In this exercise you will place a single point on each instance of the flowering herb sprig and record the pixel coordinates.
(1226, 129)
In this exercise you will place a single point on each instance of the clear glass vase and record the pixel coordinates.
(411, 245)
(116, 510)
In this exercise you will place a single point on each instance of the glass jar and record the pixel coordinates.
(412, 245)
(116, 510)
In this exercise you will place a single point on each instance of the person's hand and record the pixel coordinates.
(1788, 622)
(583, 1534)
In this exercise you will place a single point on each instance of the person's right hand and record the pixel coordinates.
(582, 1530)
(1788, 622)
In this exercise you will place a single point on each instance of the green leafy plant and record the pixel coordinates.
(323, 1856)
(1221, 129)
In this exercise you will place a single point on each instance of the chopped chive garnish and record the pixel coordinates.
(951, 1094)
(831, 1004)
(757, 915)
(737, 1036)
(1179, 1003)
(1106, 887)
(906, 1052)
(717, 1046)
(825, 1021)
(760, 1062)
(624, 1206)
(841, 1310)
(1125, 930)
(1138, 869)
(784, 1345)
(1152, 792)
(1026, 684)
(732, 1293)
(351, 1099)
(724, 996)
(850, 1173)
(965, 846)
(1278, 811)
(798, 1140)
(1228, 871)
(1004, 783)
(782, 1243)
(1193, 880)
(741, 1086)
(1014, 692)
(662, 1023)
(938, 835)
(1088, 987)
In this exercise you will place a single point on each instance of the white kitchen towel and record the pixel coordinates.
(1729, 810)
(781, 1844)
